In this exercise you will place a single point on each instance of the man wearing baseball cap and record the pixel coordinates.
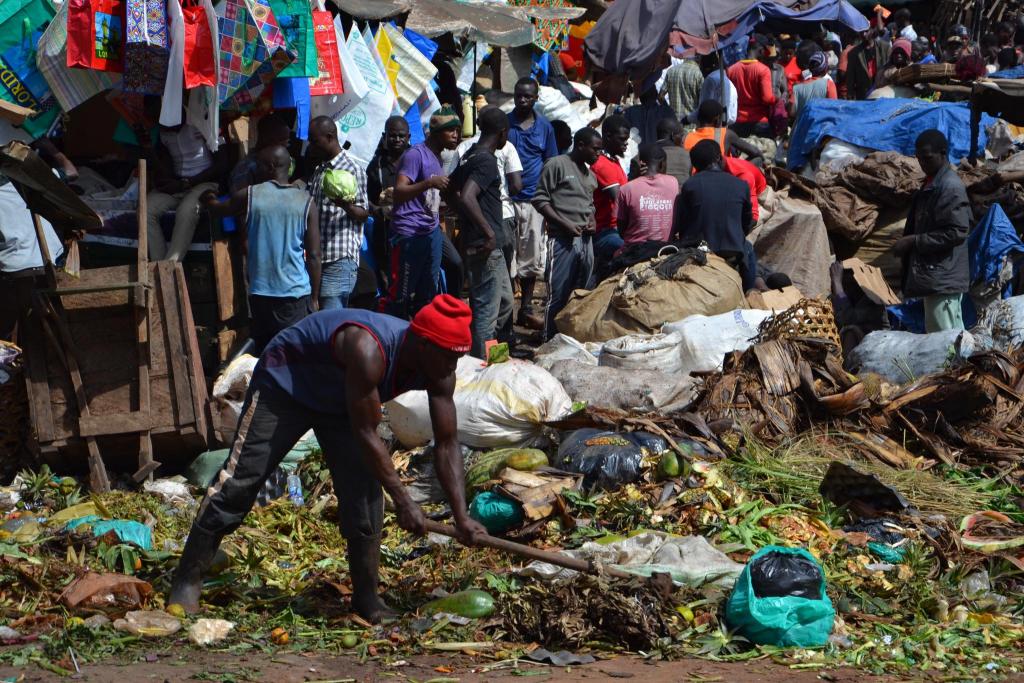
(330, 373)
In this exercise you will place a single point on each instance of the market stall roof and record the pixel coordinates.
(633, 34)
(492, 22)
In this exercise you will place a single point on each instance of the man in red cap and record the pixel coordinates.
(330, 373)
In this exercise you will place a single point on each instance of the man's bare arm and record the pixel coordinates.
(357, 350)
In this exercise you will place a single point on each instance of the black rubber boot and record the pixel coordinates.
(199, 552)
(364, 568)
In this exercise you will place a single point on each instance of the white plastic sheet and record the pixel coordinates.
(705, 340)
(364, 123)
(689, 560)
(170, 103)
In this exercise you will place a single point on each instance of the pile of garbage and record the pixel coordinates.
(758, 499)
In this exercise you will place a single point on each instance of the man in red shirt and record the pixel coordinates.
(610, 177)
(754, 94)
(788, 62)
(752, 176)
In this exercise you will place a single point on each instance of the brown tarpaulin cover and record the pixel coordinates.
(640, 301)
(792, 239)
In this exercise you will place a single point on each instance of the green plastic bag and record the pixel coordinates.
(295, 17)
(496, 512)
(782, 621)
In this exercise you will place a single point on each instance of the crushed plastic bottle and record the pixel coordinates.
(295, 490)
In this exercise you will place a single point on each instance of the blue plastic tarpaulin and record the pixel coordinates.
(887, 125)
(990, 243)
(832, 14)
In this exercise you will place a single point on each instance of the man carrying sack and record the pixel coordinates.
(330, 373)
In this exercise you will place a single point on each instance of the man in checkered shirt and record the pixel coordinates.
(341, 223)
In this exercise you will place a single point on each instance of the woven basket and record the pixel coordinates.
(13, 409)
(812, 318)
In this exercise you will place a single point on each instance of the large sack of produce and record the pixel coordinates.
(705, 340)
(650, 294)
(497, 405)
(560, 347)
(902, 357)
(658, 352)
(601, 386)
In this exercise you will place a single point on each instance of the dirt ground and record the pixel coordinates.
(301, 668)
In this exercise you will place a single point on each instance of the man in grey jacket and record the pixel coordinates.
(936, 267)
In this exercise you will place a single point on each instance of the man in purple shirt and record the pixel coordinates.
(415, 226)
(534, 139)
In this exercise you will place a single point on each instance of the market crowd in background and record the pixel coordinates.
(526, 209)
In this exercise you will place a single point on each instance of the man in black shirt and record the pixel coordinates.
(380, 182)
(714, 207)
(477, 183)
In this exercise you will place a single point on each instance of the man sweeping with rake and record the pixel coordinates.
(330, 373)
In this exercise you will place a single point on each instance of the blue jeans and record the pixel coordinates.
(415, 269)
(606, 243)
(490, 296)
(337, 280)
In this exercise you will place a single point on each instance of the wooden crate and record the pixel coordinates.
(103, 327)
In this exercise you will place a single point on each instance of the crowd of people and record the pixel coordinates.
(525, 201)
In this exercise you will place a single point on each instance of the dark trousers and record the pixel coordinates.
(16, 298)
(269, 426)
(415, 268)
(271, 314)
(570, 266)
(451, 264)
(505, 331)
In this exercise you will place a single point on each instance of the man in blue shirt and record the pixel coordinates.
(534, 139)
(282, 239)
(330, 373)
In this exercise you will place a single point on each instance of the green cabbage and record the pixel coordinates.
(339, 184)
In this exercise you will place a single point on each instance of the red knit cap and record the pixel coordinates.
(445, 322)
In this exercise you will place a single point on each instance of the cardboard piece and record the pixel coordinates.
(775, 299)
(15, 113)
(872, 282)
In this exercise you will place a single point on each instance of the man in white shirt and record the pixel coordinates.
(182, 169)
(717, 87)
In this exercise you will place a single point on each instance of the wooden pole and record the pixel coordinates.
(141, 300)
(44, 252)
(534, 553)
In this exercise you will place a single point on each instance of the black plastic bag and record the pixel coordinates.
(781, 575)
(607, 460)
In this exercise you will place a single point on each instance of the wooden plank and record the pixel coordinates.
(200, 397)
(224, 277)
(179, 377)
(71, 291)
(98, 481)
(38, 385)
(44, 251)
(142, 333)
(102, 425)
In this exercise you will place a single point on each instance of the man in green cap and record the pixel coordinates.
(415, 225)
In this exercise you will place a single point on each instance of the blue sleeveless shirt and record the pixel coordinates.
(300, 361)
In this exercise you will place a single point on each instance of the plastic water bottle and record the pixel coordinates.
(295, 490)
